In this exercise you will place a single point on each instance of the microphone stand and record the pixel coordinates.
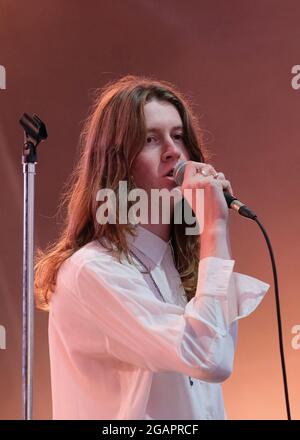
(34, 133)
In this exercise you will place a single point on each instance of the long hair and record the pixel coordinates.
(113, 135)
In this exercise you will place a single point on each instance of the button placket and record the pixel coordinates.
(148, 272)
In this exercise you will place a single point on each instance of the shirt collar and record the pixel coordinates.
(149, 244)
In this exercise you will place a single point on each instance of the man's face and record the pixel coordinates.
(163, 148)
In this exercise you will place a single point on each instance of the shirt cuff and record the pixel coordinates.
(245, 294)
(214, 276)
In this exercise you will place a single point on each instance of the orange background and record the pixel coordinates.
(234, 59)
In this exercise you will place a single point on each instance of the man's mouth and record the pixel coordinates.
(170, 174)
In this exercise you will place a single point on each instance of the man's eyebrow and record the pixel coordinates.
(154, 129)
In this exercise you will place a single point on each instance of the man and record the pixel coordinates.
(143, 318)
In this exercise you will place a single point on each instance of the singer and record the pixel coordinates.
(142, 317)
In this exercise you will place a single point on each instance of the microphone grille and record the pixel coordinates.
(178, 172)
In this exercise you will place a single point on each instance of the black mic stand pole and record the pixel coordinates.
(34, 133)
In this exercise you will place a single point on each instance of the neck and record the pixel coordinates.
(163, 231)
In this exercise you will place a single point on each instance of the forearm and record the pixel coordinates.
(215, 242)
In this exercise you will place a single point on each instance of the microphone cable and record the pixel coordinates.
(286, 391)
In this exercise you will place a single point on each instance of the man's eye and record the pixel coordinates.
(149, 139)
(178, 136)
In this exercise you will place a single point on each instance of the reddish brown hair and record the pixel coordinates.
(112, 136)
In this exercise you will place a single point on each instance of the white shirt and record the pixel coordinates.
(117, 351)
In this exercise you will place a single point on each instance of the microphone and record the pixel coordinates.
(232, 202)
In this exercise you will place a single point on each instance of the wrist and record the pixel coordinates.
(216, 229)
(214, 242)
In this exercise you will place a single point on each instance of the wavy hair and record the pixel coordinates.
(113, 135)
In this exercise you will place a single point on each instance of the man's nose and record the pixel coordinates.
(171, 150)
